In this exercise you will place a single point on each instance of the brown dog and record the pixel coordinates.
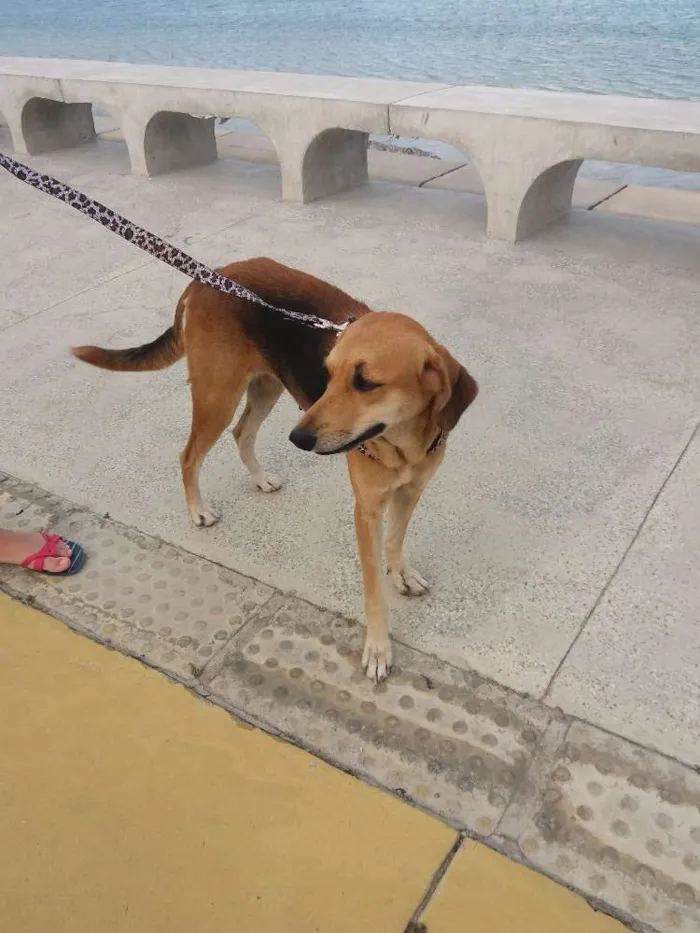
(384, 392)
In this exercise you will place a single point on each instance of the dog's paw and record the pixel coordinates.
(266, 482)
(376, 660)
(409, 582)
(204, 518)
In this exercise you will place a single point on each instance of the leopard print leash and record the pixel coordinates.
(153, 244)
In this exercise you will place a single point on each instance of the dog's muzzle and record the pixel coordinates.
(374, 431)
(308, 440)
(303, 438)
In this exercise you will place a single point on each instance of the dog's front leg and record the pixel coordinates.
(376, 658)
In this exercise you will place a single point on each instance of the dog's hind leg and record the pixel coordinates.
(403, 501)
(263, 392)
(402, 504)
(214, 402)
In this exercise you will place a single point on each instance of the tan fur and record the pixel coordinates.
(384, 371)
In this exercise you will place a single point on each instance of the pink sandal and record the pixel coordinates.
(36, 561)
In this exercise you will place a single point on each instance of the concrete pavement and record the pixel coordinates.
(560, 537)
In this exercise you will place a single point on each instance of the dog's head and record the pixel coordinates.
(384, 370)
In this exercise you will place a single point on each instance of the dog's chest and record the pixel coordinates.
(402, 477)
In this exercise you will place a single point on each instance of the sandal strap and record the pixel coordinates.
(48, 549)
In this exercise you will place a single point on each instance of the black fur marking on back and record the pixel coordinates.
(295, 352)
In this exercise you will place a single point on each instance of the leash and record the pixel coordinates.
(152, 244)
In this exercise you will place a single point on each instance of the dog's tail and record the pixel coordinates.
(158, 354)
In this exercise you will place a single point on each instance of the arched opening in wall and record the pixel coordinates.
(423, 163)
(431, 165)
(340, 158)
(549, 197)
(334, 161)
(247, 155)
(174, 141)
(606, 188)
(48, 125)
(637, 190)
(243, 140)
(106, 124)
(110, 154)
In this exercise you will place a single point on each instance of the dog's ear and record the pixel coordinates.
(452, 387)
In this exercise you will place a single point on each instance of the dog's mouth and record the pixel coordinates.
(374, 431)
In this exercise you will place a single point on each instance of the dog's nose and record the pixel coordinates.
(303, 438)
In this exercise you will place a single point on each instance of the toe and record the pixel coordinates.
(62, 549)
(56, 564)
(376, 660)
(205, 518)
(415, 584)
(268, 483)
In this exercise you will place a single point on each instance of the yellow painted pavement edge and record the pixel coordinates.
(484, 892)
(130, 805)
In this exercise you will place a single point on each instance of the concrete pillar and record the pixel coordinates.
(168, 142)
(43, 125)
(12, 118)
(332, 161)
(521, 204)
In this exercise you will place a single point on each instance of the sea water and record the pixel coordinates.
(648, 48)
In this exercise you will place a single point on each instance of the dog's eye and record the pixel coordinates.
(360, 384)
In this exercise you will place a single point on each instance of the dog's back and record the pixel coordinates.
(292, 351)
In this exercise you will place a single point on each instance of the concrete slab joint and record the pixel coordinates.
(527, 146)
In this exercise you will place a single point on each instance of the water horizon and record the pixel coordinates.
(630, 47)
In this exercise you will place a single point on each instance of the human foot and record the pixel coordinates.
(36, 550)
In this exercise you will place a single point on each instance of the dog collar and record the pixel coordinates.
(439, 442)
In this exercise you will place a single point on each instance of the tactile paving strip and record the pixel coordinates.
(623, 825)
(443, 737)
(618, 823)
(146, 598)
